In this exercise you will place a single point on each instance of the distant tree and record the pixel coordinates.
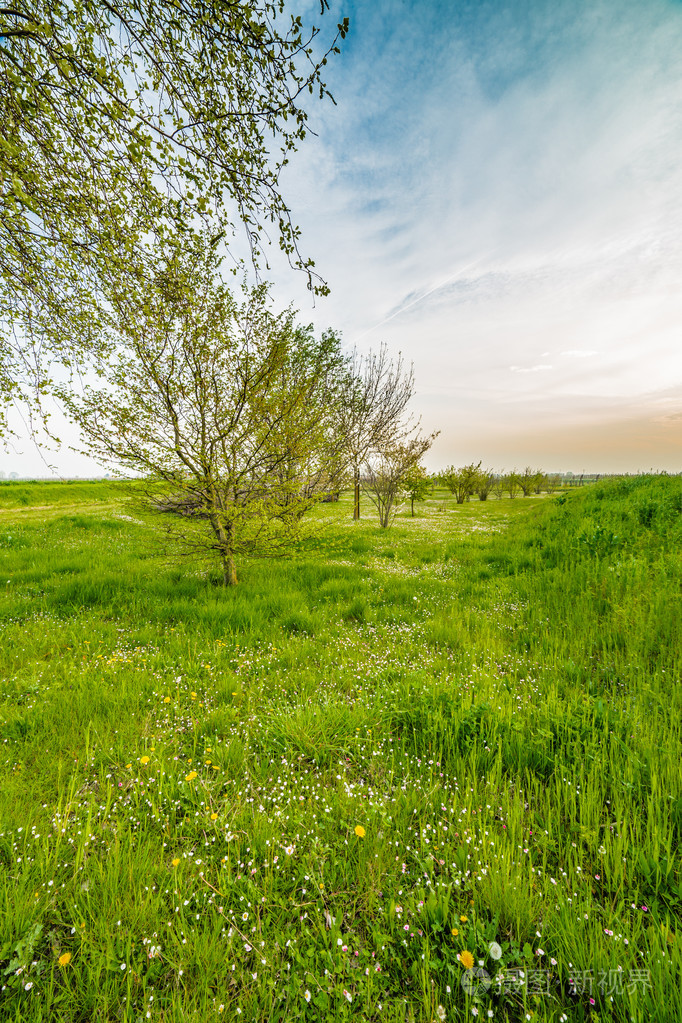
(529, 479)
(511, 484)
(461, 482)
(553, 482)
(372, 410)
(225, 409)
(417, 484)
(499, 486)
(484, 485)
(385, 470)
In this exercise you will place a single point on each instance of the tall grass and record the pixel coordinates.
(316, 795)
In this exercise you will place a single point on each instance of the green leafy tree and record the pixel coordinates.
(512, 484)
(530, 480)
(486, 481)
(123, 122)
(461, 482)
(417, 484)
(223, 408)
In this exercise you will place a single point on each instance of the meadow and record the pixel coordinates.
(424, 773)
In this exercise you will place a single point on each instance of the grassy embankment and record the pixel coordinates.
(307, 797)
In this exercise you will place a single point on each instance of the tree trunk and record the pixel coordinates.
(356, 494)
(412, 504)
(224, 534)
(229, 570)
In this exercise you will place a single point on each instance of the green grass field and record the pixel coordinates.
(330, 792)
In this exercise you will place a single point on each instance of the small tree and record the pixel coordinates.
(484, 486)
(529, 480)
(372, 409)
(225, 409)
(511, 484)
(461, 482)
(385, 472)
(499, 485)
(417, 484)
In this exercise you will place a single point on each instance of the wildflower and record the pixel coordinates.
(214, 816)
(347, 995)
(128, 766)
(144, 760)
(466, 959)
(176, 861)
(288, 849)
(464, 919)
(495, 950)
(454, 932)
(360, 831)
(440, 1012)
(307, 995)
(474, 1011)
(28, 986)
(64, 959)
(166, 699)
(191, 776)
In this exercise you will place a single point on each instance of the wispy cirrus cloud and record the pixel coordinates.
(503, 183)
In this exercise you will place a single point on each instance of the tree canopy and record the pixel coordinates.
(128, 120)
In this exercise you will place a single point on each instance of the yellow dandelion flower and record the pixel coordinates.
(360, 831)
(191, 776)
(466, 959)
(144, 760)
(193, 695)
(176, 861)
(464, 919)
(454, 932)
(65, 959)
(321, 887)
(128, 766)
(214, 816)
(166, 699)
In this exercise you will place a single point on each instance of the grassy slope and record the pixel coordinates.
(490, 691)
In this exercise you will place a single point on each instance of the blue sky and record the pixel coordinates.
(498, 195)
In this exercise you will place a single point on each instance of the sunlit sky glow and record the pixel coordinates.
(498, 195)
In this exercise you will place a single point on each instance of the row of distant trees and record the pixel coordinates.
(392, 482)
(474, 480)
